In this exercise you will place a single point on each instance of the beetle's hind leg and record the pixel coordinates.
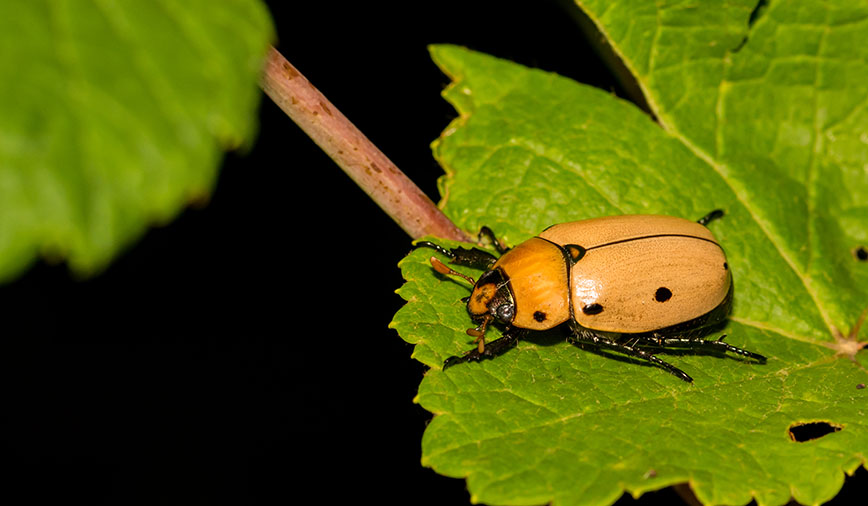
(489, 350)
(581, 337)
(709, 344)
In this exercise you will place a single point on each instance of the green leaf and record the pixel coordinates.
(115, 115)
(762, 114)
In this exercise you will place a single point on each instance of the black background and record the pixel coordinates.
(241, 355)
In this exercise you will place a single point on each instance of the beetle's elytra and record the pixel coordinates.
(622, 283)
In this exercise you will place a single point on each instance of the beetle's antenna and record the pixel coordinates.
(479, 332)
(444, 269)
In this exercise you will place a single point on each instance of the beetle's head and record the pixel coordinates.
(490, 299)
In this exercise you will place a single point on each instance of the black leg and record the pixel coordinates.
(487, 232)
(713, 215)
(489, 350)
(474, 257)
(699, 343)
(434, 246)
(588, 337)
(470, 257)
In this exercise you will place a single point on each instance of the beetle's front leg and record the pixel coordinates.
(489, 350)
(470, 257)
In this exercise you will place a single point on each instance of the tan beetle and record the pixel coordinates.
(623, 283)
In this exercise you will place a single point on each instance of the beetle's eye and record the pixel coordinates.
(505, 312)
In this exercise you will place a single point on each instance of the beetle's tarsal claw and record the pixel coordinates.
(681, 374)
(756, 356)
(472, 356)
(449, 362)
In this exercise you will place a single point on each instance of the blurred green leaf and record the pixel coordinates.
(115, 116)
(761, 113)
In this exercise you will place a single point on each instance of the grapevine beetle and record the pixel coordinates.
(627, 284)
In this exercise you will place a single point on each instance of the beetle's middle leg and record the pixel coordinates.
(587, 337)
(713, 215)
(498, 245)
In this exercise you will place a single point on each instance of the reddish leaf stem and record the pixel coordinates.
(393, 191)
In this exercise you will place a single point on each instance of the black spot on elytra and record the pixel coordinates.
(662, 294)
(592, 309)
(539, 316)
(801, 432)
(725, 266)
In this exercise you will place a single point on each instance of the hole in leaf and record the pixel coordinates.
(757, 12)
(861, 254)
(801, 432)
